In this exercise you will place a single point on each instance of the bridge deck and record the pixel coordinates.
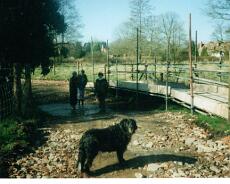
(213, 102)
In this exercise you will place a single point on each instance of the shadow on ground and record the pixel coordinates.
(141, 161)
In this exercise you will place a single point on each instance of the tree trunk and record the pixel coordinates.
(18, 88)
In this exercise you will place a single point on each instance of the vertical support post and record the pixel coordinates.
(125, 69)
(220, 65)
(228, 99)
(108, 72)
(167, 70)
(146, 72)
(78, 66)
(137, 68)
(116, 78)
(229, 55)
(105, 72)
(196, 49)
(54, 69)
(155, 68)
(92, 57)
(56, 55)
(132, 72)
(190, 64)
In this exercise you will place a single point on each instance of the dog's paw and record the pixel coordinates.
(122, 163)
(84, 175)
(79, 166)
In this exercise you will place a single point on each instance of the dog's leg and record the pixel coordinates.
(89, 161)
(81, 159)
(120, 156)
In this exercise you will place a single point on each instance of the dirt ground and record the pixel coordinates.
(166, 144)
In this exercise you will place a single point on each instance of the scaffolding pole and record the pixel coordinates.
(92, 57)
(166, 83)
(137, 68)
(108, 61)
(190, 64)
(116, 79)
(228, 99)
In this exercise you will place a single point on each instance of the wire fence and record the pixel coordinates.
(6, 100)
(6, 91)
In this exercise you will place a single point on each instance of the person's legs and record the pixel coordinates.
(101, 100)
(82, 96)
(103, 104)
(73, 100)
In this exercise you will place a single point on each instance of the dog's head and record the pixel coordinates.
(129, 125)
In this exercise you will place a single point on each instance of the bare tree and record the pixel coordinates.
(72, 19)
(173, 32)
(219, 31)
(140, 10)
(152, 33)
(218, 9)
(124, 30)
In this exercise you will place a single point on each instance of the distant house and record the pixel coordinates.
(215, 49)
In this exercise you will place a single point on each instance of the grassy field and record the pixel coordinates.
(64, 71)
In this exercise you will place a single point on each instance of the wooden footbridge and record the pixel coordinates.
(207, 91)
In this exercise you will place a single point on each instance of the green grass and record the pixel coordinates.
(12, 135)
(64, 72)
(214, 124)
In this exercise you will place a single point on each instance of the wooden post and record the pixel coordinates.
(92, 57)
(132, 72)
(155, 68)
(229, 99)
(229, 56)
(220, 66)
(116, 79)
(146, 72)
(78, 66)
(196, 49)
(105, 72)
(167, 70)
(54, 72)
(125, 69)
(108, 61)
(190, 64)
(137, 68)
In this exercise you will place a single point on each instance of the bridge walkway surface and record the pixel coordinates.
(210, 99)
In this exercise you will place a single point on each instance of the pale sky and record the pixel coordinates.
(102, 17)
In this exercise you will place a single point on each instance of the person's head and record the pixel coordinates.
(74, 74)
(100, 75)
(82, 71)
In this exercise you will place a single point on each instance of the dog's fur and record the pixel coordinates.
(113, 138)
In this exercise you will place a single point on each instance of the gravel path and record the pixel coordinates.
(165, 145)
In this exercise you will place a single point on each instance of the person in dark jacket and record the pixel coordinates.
(82, 81)
(73, 85)
(101, 88)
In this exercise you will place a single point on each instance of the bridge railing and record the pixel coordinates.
(214, 73)
(208, 77)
